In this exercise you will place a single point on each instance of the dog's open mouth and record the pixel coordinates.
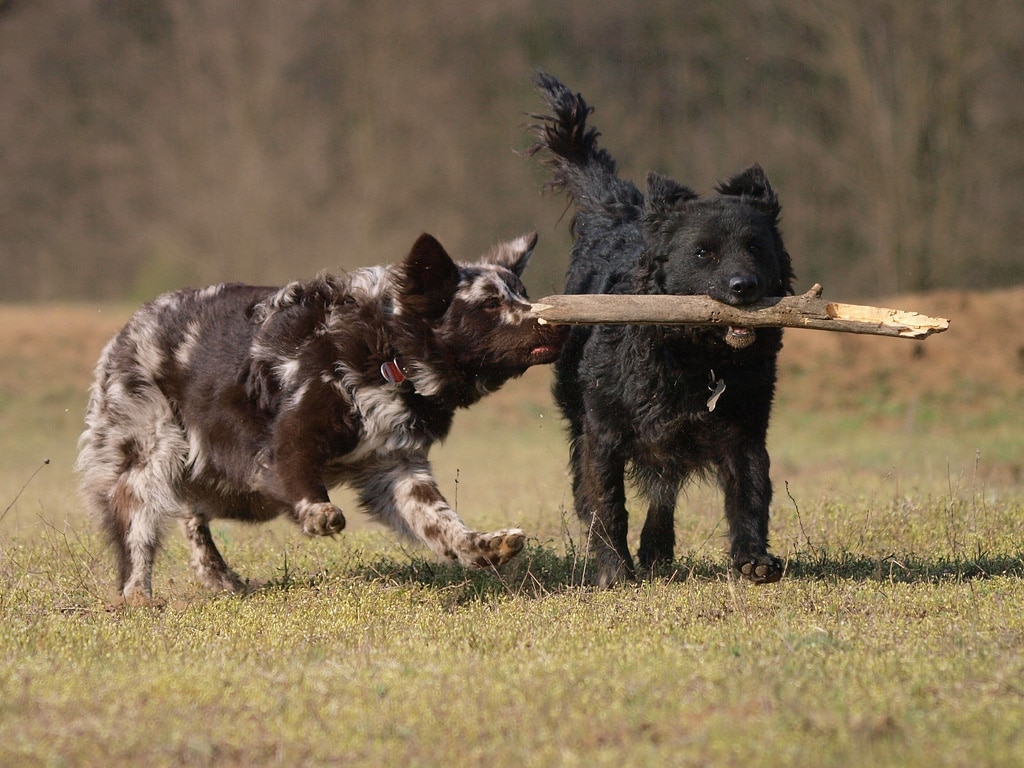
(544, 351)
(739, 337)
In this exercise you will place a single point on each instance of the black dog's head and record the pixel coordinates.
(727, 246)
(474, 320)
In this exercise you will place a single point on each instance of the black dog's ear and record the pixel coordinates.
(427, 280)
(664, 194)
(752, 184)
(513, 255)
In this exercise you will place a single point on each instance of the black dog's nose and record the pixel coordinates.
(744, 286)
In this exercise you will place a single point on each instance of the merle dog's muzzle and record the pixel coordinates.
(549, 342)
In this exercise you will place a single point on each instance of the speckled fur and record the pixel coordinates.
(246, 403)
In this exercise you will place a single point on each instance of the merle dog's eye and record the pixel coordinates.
(492, 303)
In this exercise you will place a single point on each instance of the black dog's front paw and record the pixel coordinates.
(612, 570)
(760, 569)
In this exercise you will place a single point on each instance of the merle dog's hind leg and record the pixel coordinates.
(135, 526)
(135, 536)
(207, 561)
(599, 493)
(404, 494)
(131, 458)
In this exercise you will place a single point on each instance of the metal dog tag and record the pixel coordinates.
(717, 387)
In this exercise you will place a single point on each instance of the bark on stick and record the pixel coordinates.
(807, 311)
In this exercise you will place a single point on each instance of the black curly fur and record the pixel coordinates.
(637, 397)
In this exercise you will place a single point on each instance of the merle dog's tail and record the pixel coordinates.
(579, 167)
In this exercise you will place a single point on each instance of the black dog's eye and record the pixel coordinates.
(755, 249)
(702, 253)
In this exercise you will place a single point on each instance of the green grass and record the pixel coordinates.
(363, 658)
(896, 638)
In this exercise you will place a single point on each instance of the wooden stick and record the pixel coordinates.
(807, 311)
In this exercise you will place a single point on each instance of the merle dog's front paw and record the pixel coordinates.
(488, 550)
(760, 569)
(321, 519)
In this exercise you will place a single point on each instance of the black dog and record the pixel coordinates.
(247, 403)
(657, 402)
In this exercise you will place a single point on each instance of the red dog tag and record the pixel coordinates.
(391, 372)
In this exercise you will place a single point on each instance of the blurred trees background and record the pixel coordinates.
(149, 144)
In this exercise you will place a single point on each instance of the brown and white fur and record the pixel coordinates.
(246, 403)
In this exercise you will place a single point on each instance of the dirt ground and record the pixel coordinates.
(983, 348)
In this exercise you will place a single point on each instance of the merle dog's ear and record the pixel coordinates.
(753, 185)
(513, 255)
(664, 194)
(427, 279)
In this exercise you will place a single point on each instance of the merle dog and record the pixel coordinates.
(660, 404)
(247, 403)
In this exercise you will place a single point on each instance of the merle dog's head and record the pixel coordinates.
(474, 320)
(727, 246)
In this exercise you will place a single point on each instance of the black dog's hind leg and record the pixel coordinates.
(600, 495)
(748, 493)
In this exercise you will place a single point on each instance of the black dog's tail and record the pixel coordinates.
(585, 172)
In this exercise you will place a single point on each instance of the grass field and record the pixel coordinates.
(896, 637)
